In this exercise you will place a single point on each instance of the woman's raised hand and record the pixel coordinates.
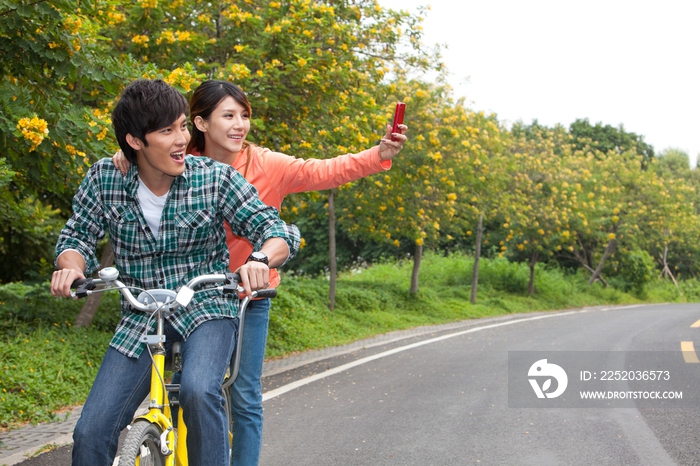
(388, 148)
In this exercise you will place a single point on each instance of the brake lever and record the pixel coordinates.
(83, 287)
(232, 284)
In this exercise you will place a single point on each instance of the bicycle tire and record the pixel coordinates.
(143, 437)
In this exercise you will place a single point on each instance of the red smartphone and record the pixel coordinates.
(398, 118)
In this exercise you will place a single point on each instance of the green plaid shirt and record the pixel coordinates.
(191, 240)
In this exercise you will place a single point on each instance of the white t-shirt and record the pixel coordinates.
(152, 207)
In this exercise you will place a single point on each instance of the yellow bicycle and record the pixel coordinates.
(152, 438)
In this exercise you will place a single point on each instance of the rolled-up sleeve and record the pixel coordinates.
(84, 228)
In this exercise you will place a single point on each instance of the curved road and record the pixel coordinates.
(443, 399)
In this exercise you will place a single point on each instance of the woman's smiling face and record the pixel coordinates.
(226, 129)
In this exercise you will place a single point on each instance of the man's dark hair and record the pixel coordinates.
(145, 105)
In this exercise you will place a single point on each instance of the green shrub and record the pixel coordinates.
(33, 304)
(635, 271)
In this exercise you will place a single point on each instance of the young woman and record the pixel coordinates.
(220, 113)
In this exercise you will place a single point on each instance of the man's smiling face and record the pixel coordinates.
(165, 152)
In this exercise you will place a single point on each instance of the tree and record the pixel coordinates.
(56, 83)
(414, 205)
(483, 174)
(672, 163)
(623, 207)
(311, 69)
(606, 138)
(543, 188)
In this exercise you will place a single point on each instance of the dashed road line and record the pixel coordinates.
(689, 354)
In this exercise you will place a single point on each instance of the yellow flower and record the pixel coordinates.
(34, 130)
(167, 36)
(239, 71)
(180, 78)
(115, 18)
(302, 62)
(140, 39)
(183, 36)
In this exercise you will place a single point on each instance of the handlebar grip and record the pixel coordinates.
(268, 293)
(79, 282)
(82, 286)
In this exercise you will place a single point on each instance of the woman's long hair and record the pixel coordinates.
(205, 99)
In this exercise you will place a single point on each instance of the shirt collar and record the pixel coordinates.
(131, 179)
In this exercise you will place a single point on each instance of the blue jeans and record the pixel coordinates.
(246, 391)
(122, 383)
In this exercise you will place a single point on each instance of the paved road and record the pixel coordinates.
(443, 398)
(447, 403)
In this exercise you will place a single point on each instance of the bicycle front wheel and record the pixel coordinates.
(142, 445)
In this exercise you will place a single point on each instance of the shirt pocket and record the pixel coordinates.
(194, 230)
(124, 230)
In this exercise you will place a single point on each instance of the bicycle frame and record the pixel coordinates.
(159, 412)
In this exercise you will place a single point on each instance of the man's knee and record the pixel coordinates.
(194, 391)
(87, 428)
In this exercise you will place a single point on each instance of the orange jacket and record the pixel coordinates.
(275, 175)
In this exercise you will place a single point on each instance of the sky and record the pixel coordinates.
(635, 63)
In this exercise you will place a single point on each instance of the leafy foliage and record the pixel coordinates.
(606, 138)
(56, 84)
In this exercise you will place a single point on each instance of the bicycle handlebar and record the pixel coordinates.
(170, 299)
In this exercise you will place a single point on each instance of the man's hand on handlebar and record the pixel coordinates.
(254, 276)
(61, 281)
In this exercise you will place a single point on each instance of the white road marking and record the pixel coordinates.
(300, 383)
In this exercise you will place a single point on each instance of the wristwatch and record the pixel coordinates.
(258, 256)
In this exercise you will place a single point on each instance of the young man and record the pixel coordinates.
(165, 223)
